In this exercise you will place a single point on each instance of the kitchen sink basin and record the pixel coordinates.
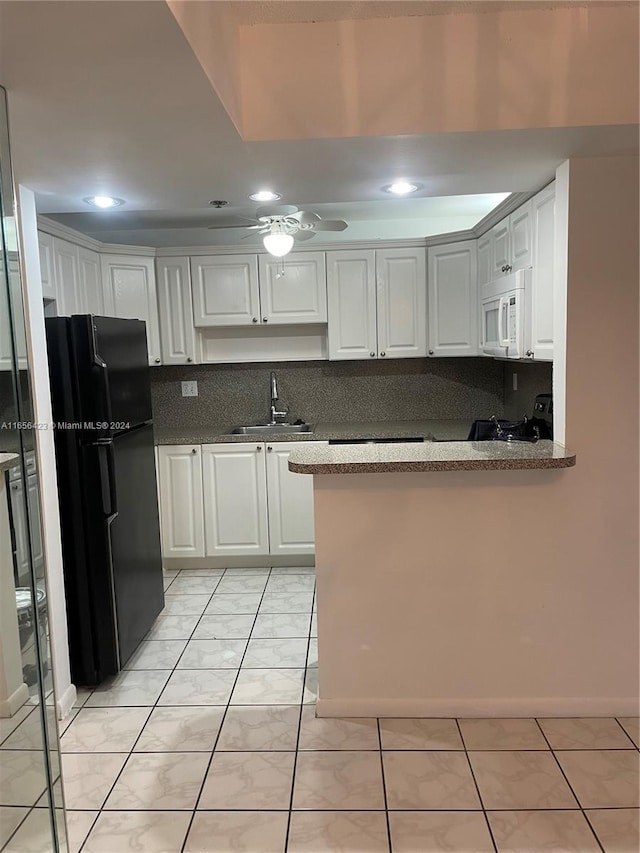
(271, 429)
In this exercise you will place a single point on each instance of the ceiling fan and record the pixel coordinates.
(281, 224)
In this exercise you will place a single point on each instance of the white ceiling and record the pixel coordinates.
(107, 97)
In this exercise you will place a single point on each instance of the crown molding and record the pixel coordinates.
(174, 251)
(63, 232)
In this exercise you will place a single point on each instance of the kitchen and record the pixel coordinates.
(454, 389)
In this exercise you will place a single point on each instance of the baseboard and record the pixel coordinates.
(66, 702)
(465, 708)
(13, 703)
(268, 560)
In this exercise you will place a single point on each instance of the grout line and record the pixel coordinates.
(627, 733)
(384, 785)
(570, 786)
(475, 782)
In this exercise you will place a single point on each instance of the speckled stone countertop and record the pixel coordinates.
(429, 456)
(443, 430)
(8, 460)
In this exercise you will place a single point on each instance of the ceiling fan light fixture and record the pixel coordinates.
(278, 243)
(401, 187)
(265, 195)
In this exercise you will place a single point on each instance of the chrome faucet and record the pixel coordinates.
(276, 416)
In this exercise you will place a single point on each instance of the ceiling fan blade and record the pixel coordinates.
(225, 225)
(303, 235)
(330, 225)
(276, 210)
(305, 217)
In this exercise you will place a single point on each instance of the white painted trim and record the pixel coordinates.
(13, 703)
(582, 706)
(560, 279)
(251, 562)
(66, 702)
(57, 229)
(312, 246)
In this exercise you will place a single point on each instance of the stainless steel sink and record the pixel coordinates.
(271, 429)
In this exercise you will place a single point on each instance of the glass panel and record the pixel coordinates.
(31, 808)
(491, 324)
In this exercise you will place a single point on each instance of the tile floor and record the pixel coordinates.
(208, 743)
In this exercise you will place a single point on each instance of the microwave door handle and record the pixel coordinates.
(503, 322)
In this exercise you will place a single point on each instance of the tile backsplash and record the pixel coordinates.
(533, 378)
(346, 391)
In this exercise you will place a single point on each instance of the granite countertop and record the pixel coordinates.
(8, 460)
(429, 456)
(445, 430)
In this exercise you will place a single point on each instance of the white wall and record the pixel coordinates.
(65, 692)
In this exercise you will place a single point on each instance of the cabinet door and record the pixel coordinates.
(225, 290)
(402, 303)
(501, 245)
(177, 334)
(485, 260)
(91, 293)
(295, 293)
(520, 228)
(235, 499)
(181, 504)
(453, 300)
(351, 295)
(36, 531)
(541, 311)
(20, 530)
(291, 529)
(47, 266)
(67, 278)
(130, 292)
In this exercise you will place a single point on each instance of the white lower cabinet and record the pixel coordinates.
(291, 529)
(235, 499)
(181, 505)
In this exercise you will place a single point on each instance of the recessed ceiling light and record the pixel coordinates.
(401, 187)
(104, 202)
(265, 195)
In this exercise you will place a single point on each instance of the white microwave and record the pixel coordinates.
(503, 313)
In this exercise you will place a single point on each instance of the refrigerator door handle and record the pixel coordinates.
(107, 478)
(103, 370)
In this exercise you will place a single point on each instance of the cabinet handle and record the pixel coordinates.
(157, 360)
(507, 268)
(372, 354)
(269, 449)
(529, 353)
(188, 359)
(430, 352)
(194, 450)
(254, 319)
(264, 319)
(259, 448)
(383, 354)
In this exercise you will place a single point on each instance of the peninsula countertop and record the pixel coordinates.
(8, 460)
(429, 456)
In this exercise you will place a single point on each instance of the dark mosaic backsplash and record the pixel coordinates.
(404, 389)
(533, 378)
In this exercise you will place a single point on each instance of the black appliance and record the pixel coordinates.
(107, 489)
(538, 426)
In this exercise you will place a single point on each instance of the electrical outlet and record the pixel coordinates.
(190, 389)
(514, 379)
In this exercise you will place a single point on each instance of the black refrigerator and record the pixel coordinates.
(107, 489)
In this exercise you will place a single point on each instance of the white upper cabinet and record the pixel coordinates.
(47, 266)
(453, 300)
(91, 292)
(485, 259)
(500, 248)
(521, 237)
(510, 243)
(177, 334)
(296, 292)
(67, 274)
(235, 499)
(351, 295)
(291, 528)
(181, 504)
(225, 290)
(541, 309)
(130, 292)
(402, 303)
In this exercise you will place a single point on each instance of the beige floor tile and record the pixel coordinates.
(585, 733)
(617, 829)
(136, 831)
(603, 778)
(338, 832)
(184, 605)
(156, 654)
(185, 585)
(248, 780)
(420, 734)
(213, 654)
(240, 832)
(88, 777)
(78, 826)
(189, 729)
(165, 780)
(33, 835)
(268, 687)
(172, 628)
(282, 652)
(631, 725)
(130, 688)
(439, 832)
(10, 818)
(429, 780)
(198, 687)
(338, 780)
(502, 734)
(104, 730)
(521, 780)
(10, 724)
(322, 733)
(252, 728)
(538, 831)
